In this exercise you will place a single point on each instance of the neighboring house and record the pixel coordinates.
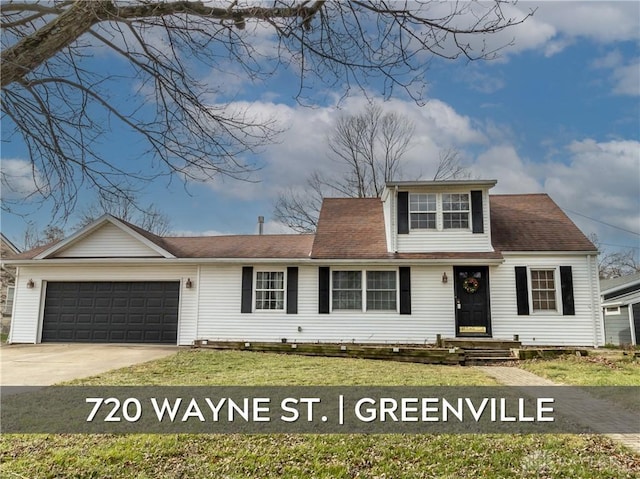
(426, 258)
(7, 282)
(621, 309)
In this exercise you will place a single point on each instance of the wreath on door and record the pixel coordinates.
(471, 285)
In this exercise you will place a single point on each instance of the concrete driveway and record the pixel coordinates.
(46, 364)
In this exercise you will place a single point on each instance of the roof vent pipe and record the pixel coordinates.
(260, 225)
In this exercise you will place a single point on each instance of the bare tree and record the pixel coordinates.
(370, 145)
(614, 264)
(63, 107)
(368, 148)
(450, 167)
(32, 237)
(127, 209)
(300, 210)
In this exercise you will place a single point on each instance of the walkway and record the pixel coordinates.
(582, 404)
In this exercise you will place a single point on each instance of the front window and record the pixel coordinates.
(347, 290)
(543, 289)
(381, 290)
(269, 290)
(422, 209)
(455, 211)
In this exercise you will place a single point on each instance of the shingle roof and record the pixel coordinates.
(350, 228)
(353, 228)
(533, 222)
(32, 253)
(241, 246)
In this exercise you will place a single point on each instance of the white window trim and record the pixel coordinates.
(558, 291)
(612, 311)
(254, 307)
(364, 291)
(440, 213)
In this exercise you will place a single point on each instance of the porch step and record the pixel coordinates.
(485, 361)
(475, 357)
(480, 343)
(487, 353)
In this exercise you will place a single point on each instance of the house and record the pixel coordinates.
(425, 259)
(7, 281)
(621, 309)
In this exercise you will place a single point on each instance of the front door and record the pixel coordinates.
(472, 301)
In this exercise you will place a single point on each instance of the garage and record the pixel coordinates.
(111, 312)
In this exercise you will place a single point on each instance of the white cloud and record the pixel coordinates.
(627, 79)
(612, 59)
(19, 179)
(303, 146)
(601, 180)
(624, 76)
(503, 163)
(556, 25)
(603, 22)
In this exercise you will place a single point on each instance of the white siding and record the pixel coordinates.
(448, 240)
(29, 303)
(443, 241)
(548, 328)
(211, 309)
(432, 310)
(220, 317)
(107, 241)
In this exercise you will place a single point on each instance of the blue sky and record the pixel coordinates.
(558, 112)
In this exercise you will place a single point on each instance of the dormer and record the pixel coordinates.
(438, 216)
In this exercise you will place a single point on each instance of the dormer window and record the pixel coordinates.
(455, 211)
(439, 211)
(423, 210)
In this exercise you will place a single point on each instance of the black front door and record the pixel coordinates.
(472, 301)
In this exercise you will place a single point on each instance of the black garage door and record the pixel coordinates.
(111, 312)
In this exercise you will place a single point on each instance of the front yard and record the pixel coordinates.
(321, 456)
(601, 368)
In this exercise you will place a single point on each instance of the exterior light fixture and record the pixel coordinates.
(30, 284)
(445, 280)
(188, 284)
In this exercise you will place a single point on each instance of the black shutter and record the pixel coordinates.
(477, 216)
(566, 284)
(403, 212)
(247, 289)
(292, 290)
(405, 290)
(323, 290)
(522, 290)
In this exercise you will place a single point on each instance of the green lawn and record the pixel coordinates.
(601, 368)
(237, 368)
(321, 456)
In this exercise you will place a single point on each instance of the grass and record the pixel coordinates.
(320, 456)
(236, 368)
(603, 368)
